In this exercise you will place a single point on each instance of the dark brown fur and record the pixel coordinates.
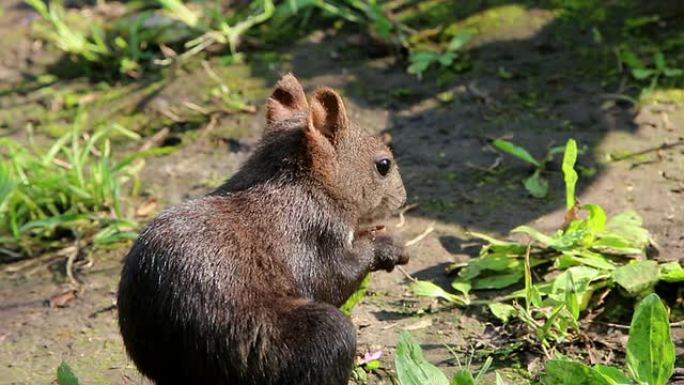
(241, 287)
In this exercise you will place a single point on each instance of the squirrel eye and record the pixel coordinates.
(383, 166)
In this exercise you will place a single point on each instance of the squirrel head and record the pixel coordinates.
(354, 168)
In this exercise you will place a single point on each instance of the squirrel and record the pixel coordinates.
(242, 286)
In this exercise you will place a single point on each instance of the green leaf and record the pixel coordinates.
(412, 368)
(516, 151)
(615, 244)
(673, 72)
(642, 73)
(459, 40)
(429, 289)
(372, 365)
(565, 372)
(462, 286)
(498, 281)
(659, 61)
(446, 59)
(629, 226)
(638, 277)
(66, 376)
(586, 257)
(463, 377)
(614, 375)
(535, 234)
(499, 380)
(628, 57)
(502, 311)
(671, 272)
(569, 173)
(596, 221)
(650, 350)
(357, 296)
(537, 185)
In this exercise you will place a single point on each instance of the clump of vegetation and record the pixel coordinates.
(536, 184)
(72, 191)
(166, 31)
(588, 255)
(413, 369)
(422, 59)
(650, 354)
(650, 358)
(653, 73)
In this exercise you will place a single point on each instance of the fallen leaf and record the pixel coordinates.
(61, 300)
(146, 208)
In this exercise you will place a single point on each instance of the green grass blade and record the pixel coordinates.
(516, 151)
(569, 173)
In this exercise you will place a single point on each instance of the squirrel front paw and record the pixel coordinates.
(388, 251)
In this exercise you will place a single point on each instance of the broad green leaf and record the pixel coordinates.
(575, 281)
(446, 59)
(650, 350)
(536, 185)
(596, 221)
(462, 286)
(497, 263)
(66, 376)
(502, 311)
(615, 244)
(629, 226)
(459, 40)
(516, 151)
(642, 73)
(429, 289)
(535, 234)
(671, 272)
(463, 377)
(638, 277)
(357, 296)
(565, 372)
(629, 58)
(498, 281)
(673, 72)
(589, 258)
(613, 375)
(569, 173)
(412, 368)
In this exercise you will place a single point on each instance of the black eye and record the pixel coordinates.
(383, 166)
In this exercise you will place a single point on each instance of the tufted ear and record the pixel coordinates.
(288, 99)
(328, 115)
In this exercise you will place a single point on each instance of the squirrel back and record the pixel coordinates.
(242, 286)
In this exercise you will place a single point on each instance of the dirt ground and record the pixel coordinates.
(443, 151)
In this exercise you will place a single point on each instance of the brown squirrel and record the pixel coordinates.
(242, 286)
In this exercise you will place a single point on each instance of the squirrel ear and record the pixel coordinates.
(287, 99)
(328, 114)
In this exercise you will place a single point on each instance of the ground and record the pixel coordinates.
(442, 145)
